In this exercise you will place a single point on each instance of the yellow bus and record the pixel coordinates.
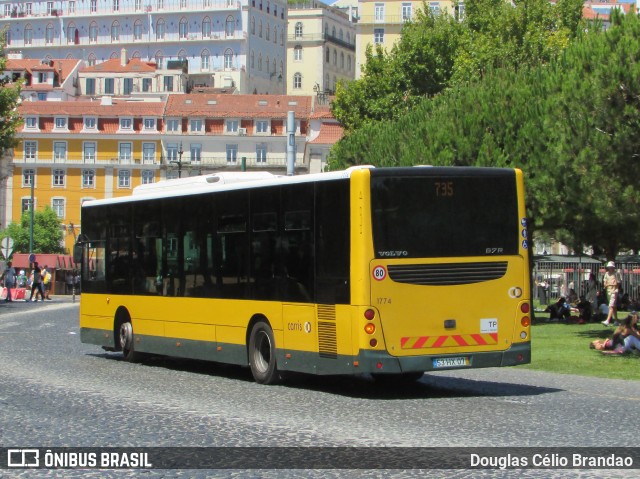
(385, 271)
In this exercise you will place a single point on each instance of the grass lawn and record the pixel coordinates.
(564, 348)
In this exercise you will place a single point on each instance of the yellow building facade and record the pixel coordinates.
(76, 151)
(381, 22)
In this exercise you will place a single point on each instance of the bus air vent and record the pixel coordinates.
(327, 340)
(446, 274)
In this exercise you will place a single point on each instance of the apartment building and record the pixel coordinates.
(44, 79)
(381, 22)
(219, 43)
(72, 151)
(321, 48)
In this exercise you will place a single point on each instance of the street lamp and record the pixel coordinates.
(179, 160)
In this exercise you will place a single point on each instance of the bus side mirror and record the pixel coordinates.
(77, 253)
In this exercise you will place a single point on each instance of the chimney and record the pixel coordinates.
(123, 57)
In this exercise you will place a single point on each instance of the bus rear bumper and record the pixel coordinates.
(382, 362)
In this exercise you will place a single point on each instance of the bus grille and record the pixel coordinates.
(327, 341)
(444, 274)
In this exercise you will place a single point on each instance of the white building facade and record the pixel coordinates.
(217, 43)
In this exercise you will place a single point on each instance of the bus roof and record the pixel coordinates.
(223, 181)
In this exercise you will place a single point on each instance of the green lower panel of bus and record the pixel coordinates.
(366, 361)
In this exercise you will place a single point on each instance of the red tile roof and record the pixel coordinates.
(134, 65)
(92, 108)
(237, 106)
(330, 133)
(64, 67)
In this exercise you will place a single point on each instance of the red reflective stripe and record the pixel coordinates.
(460, 340)
(478, 339)
(403, 341)
(440, 341)
(494, 336)
(420, 342)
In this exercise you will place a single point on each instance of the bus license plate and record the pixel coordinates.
(450, 362)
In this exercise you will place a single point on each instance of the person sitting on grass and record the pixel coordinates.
(628, 336)
(560, 310)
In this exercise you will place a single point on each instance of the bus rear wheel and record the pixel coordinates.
(262, 354)
(126, 343)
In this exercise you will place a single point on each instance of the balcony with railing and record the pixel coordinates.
(318, 37)
(79, 159)
(251, 161)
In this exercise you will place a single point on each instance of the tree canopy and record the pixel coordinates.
(47, 234)
(573, 126)
(436, 52)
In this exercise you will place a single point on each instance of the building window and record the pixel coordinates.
(31, 122)
(379, 12)
(28, 35)
(327, 55)
(126, 124)
(48, 35)
(261, 153)
(116, 5)
(109, 86)
(196, 152)
(160, 29)
(58, 178)
(298, 30)
(232, 126)
(148, 177)
(378, 35)
(434, 8)
(206, 27)
(90, 86)
(57, 204)
(172, 151)
(406, 12)
(137, 30)
(146, 84)
(93, 6)
(150, 124)
(228, 59)
(137, 4)
(89, 123)
(71, 33)
(125, 151)
(89, 152)
(297, 81)
(183, 29)
(195, 126)
(232, 153)
(59, 151)
(88, 179)
(124, 179)
(28, 177)
(127, 86)
(204, 60)
(93, 33)
(262, 126)
(173, 125)
(168, 83)
(60, 123)
(115, 31)
(148, 153)
(25, 205)
(230, 27)
(297, 53)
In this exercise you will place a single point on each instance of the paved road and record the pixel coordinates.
(57, 392)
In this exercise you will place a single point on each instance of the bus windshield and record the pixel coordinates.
(425, 216)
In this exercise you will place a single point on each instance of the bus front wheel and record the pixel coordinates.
(262, 354)
(126, 343)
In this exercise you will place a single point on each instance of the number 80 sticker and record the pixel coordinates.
(379, 273)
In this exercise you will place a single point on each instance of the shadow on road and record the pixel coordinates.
(361, 386)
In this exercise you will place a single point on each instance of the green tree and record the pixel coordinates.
(438, 52)
(9, 99)
(47, 233)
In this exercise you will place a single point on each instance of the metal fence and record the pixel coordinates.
(554, 276)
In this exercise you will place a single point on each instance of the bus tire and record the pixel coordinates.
(262, 354)
(127, 340)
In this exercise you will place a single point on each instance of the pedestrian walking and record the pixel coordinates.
(611, 286)
(37, 283)
(9, 280)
